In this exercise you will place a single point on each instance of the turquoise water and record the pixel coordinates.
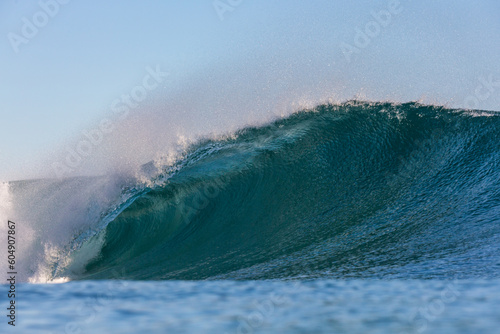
(360, 218)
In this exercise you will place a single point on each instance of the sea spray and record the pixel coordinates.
(351, 190)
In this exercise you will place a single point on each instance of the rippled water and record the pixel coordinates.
(317, 306)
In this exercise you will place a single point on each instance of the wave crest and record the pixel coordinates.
(352, 190)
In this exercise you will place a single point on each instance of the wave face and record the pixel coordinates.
(354, 190)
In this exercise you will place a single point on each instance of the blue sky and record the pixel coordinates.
(64, 79)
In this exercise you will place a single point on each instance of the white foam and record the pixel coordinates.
(53, 218)
(5, 203)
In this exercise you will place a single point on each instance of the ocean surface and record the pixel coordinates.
(351, 218)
